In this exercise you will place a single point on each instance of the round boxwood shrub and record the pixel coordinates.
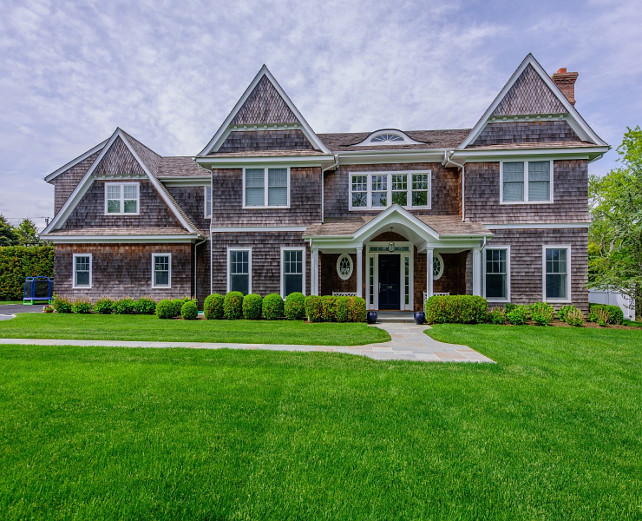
(294, 308)
(615, 313)
(166, 308)
(356, 309)
(104, 306)
(233, 305)
(314, 308)
(145, 306)
(272, 306)
(213, 306)
(189, 310)
(61, 305)
(81, 306)
(252, 306)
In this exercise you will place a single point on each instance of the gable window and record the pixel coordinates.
(557, 269)
(497, 275)
(82, 270)
(161, 270)
(266, 187)
(381, 189)
(388, 137)
(292, 271)
(239, 266)
(121, 198)
(526, 182)
(207, 190)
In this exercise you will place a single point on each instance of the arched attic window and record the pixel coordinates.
(387, 137)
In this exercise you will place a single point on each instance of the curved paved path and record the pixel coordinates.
(409, 342)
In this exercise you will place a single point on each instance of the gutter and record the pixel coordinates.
(447, 160)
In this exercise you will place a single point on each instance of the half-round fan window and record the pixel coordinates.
(437, 266)
(388, 137)
(344, 266)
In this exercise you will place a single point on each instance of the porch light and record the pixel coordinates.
(391, 246)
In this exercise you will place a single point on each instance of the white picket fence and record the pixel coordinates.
(614, 298)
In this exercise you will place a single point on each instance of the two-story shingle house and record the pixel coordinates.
(499, 210)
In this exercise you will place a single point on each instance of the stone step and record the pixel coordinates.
(396, 317)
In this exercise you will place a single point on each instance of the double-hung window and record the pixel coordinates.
(526, 182)
(374, 190)
(161, 270)
(497, 269)
(266, 188)
(82, 270)
(239, 270)
(121, 198)
(292, 271)
(557, 273)
(207, 198)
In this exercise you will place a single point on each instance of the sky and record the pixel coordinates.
(169, 72)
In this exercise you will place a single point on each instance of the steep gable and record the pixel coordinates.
(264, 106)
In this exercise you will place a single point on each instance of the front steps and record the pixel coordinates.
(395, 317)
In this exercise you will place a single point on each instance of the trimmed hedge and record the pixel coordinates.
(81, 306)
(189, 310)
(335, 309)
(213, 306)
(252, 306)
(20, 262)
(329, 308)
(314, 308)
(273, 307)
(356, 309)
(295, 306)
(167, 308)
(104, 306)
(61, 305)
(456, 309)
(233, 305)
(341, 309)
(615, 313)
(125, 306)
(145, 306)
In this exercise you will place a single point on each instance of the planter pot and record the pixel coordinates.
(372, 317)
(420, 317)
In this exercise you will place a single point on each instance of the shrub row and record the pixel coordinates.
(105, 306)
(335, 309)
(173, 308)
(456, 309)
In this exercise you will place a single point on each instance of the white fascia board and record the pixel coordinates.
(537, 226)
(552, 153)
(220, 135)
(236, 229)
(239, 162)
(585, 132)
(81, 239)
(74, 162)
(407, 219)
(186, 181)
(358, 157)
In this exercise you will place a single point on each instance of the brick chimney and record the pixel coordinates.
(566, 83)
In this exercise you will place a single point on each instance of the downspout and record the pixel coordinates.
(323, 171)
(447, 160)
(195, 264)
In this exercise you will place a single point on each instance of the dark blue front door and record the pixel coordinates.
(389, 274)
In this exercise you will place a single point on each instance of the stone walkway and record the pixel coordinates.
(409, 342)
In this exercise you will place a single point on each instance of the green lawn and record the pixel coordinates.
(550, 432)
(149, 327)
(633, 323)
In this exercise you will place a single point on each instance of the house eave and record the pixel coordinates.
(590, 153)
(390, 156)
(86, 239)
(239, 162)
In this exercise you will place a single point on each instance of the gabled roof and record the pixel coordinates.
(149, 165)
(531, 91)
(264, 102)
(74, 162)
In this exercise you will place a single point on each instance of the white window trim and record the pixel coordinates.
(498, 247)
(369, 175)
(569, 273)
(441, 271)
(525, 201)
(249, 267)
(91, 273)
(291, 248)
(207, 190)
(169, 274)
(265, 187)
(122, 198)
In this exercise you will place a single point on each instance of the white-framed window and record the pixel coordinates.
(292, 270)
(161, 270)
(207, 201)
(437, 266)
(239, 270)
(122, 198)
(266, 187)
(525, 182)
(497, 274)
(374, 190)
(388, 136)
(82, 268)
(344, 266)
(556, 273)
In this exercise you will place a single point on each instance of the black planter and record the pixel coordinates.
(420, 317)
(372, 317)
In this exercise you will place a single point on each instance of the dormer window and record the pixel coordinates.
(387, 137)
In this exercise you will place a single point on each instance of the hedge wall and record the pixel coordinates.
(20, 262)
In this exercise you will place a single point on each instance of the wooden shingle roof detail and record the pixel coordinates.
(264, 106)
(428, 139)
(150, 158)
(180, 166)
(75, 161)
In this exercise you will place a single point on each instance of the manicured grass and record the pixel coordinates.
(633, 323)
(146, 327)
(552, 431)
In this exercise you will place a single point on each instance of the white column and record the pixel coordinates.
(360, 271)
(314, 272)
(429, 272)
(477, 281)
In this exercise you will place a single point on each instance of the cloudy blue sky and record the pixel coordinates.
(169, 72)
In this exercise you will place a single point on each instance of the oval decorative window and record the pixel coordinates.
(344, 266)
(437, 266)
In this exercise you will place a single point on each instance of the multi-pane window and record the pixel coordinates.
(292, 271)
(82, 271)
(526, 181)
(497, 273)
(381, 189)
(208, 201)
(121, 198)
(266, 187)
(556, 264)
(161, 270)
(239, 271)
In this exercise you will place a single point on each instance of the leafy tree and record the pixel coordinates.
(8, 235)
(27, 233)
(615, 236)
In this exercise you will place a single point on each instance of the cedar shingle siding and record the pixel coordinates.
(264, 106)
(526, 132)
(245, 141)
(65, 183)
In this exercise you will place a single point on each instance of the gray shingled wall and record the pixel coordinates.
(65, 183)
(526, 132)
(192, 200)
(256, 140)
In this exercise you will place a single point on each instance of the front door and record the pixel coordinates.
(389, 275)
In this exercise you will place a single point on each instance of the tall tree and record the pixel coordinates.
(8, 235)
(615, 236)
(27, 233)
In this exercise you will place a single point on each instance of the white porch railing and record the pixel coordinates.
(344, 294)
(436, 293)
